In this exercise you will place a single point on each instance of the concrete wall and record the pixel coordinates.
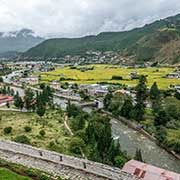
(59, 164)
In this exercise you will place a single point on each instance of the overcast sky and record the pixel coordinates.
(72, 18)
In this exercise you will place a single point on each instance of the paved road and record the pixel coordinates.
(11, 109)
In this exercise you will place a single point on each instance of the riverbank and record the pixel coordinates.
(143, 132)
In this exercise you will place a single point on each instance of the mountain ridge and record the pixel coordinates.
(143, 44)
(18, 41)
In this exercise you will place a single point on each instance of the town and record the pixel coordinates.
(89, 90)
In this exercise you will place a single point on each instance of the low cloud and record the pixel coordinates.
(74, 18)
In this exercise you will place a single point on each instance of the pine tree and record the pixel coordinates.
(154, 92)
(138, 155)
(41, 110)
(127, 108)
(29, 98)
(18, 102)
(141, 96)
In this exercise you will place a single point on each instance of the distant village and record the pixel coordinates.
(22, 76)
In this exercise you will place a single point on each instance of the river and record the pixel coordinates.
(130, 140)
(152, 154)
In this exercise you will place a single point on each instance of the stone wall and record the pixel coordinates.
(59, 164)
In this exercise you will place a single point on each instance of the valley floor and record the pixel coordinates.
(104, 73)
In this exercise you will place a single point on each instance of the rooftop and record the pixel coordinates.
(149, 172)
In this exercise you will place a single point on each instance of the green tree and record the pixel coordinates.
(78, 122)
(1, 80)
(77, 145)
(154, 92)
(120, 161)
(116, 104)
(161, 118)
(73, 110)
(172, 107)
(161, 134)
(41, 110)
(141, 96)
(18, 102)
(29, 99)
(107, 100)
(127, 108)
(155, 95)
(99, 140)
(138, 155)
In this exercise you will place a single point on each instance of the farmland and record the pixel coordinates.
(104, 73)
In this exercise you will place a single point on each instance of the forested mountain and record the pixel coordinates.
(158, 41)
(18, 41)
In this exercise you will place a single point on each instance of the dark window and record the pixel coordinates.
(143, 174)
(137, 172)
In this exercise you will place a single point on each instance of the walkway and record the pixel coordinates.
(59, 164)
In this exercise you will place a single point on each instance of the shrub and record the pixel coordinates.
(51, 144)
(117, 78)
(22, 139)
(76, 145)
(42, 132)
(44, 177)
(27, 128)
(7, 130)
(30, 173)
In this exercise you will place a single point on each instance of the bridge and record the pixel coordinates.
(59, 164)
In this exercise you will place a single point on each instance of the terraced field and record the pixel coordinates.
(104, 73)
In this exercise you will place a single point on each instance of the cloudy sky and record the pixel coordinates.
(73, 18)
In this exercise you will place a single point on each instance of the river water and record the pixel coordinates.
(130, 140)
(152, 154)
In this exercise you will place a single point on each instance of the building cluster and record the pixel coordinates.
(20, 78)
(39, 66)
(95, 90)
(174, 75)
(66, 92)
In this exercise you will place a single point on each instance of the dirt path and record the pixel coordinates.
(67, 126)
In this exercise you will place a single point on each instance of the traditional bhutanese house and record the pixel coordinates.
(55, 85)
(5, 99)
(173, 75)
(122, 91)
(30, 80)
(148, 172)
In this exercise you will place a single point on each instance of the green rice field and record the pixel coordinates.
(104, 73)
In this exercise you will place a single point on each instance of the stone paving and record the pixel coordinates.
(59, 164)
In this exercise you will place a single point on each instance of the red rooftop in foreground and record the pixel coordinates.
(5, 99)
(148, 172)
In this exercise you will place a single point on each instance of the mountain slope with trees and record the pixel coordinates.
(158, 41)
(17, 41)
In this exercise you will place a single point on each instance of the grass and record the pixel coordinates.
(6, 174)
(51, 123)
(103, 73)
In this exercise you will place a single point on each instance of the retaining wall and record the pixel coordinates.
(59, 164)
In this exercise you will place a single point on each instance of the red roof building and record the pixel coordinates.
(5, 99)
(148, 172)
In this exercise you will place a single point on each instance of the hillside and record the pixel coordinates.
(17, 41)
(158, 41)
